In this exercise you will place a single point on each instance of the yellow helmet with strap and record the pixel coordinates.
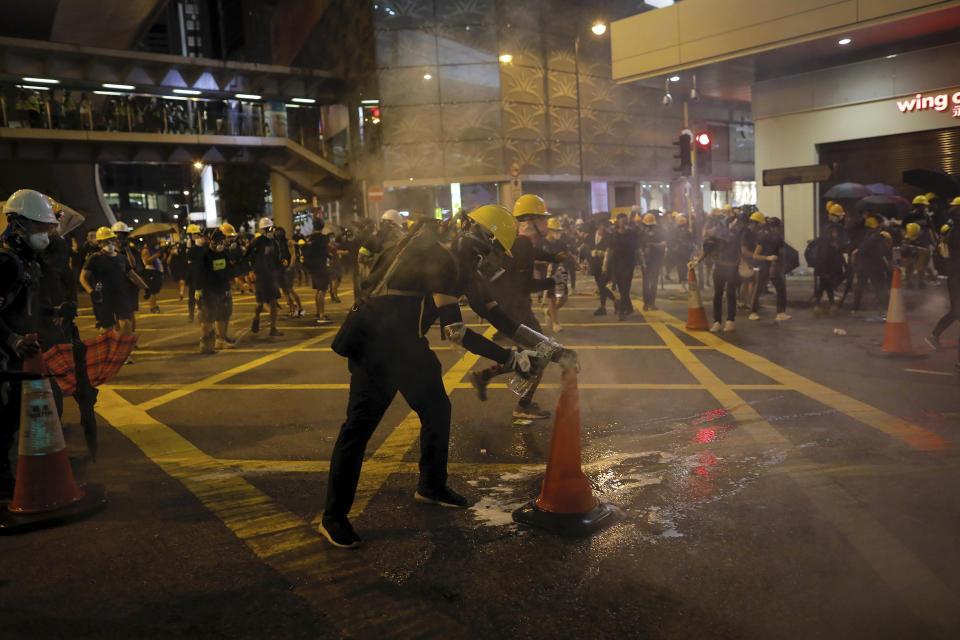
(105, 233)
(498, 221)
(530, 205)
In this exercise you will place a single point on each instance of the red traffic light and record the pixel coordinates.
(703, 139)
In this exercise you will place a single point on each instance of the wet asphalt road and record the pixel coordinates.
(782, 481)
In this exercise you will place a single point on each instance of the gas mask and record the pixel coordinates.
(478, 250)
(110, 248)
(38, 241)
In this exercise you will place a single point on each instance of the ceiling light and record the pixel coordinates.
(303, 100)
(41, 80)
(674, 78)
(187, 92)
(198, 165)
(247, 96)
(599, 29)
(185, 192)
(506, 58)
(128, 87)
(172, 97)
(111, 93)
(33, 86)
(292, 106)
(892, 55)
(369, 102)
(844, 41)
(427, 76)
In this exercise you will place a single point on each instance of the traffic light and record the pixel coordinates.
(686, 167)
(704, 151)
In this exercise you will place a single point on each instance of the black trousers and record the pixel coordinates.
(953, 315)
(772, 272)
(876, 277)
(826, 283)
(651, 279)
(623, 278)
(725, 279)
(416, 373)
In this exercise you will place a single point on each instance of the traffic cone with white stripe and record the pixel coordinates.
(896, 339)
(45, 491)
(696, 315)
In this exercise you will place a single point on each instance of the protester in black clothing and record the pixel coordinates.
(415, 283)
(620, 262)
(264, 256)
(767, 255)
(873, 264)
(950, 252)
(825, 255)
(653, 244)
(30, 221)
(107, 277)
(315, 258)
(599, 244)
(723, 247)
(215, 271)
(286, 274)
(679, 249)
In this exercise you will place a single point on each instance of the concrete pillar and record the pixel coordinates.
(282, 205)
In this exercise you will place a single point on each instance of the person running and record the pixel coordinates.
(950, 252)
(264, 256)
(286, 271)
(315, 258)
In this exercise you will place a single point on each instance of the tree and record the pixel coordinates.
(243, 190)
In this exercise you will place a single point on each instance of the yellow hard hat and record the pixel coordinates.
(913, 230)
(756, 216)
(554, 223)
(887, 236)
(955, 202)
(674, 214)
(871, 223)
(681, 219)
(945, 228)
(829, 204)
(836, 210)
(921, 200)
(930, 196)
(529, 205)
(105, 233)
(193, 228)
(301, 241)
(226, 228)
(727, 207)
(498, 221)
(649, 219)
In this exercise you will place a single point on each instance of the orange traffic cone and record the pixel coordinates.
(696, 316)
(566, 504)
(896, 339)
(45, 491)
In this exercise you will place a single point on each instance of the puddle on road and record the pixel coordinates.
(656, 490)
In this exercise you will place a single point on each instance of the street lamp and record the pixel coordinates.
(598, 29)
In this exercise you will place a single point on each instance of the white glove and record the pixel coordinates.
(520, 361)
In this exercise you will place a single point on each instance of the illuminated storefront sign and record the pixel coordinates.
(931, 102)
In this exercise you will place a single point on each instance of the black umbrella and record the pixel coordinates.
(879, 189)
(886, 206)
(847, 190)
(945, 186)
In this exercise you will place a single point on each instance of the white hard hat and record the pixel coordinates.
(265, 223)
(32, 205)
(392, 215)
(121, 227)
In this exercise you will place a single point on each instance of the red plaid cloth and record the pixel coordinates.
(105, 355)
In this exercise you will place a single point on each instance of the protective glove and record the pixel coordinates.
(25, 347)
(521, 361)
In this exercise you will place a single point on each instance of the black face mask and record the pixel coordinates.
(479, 253)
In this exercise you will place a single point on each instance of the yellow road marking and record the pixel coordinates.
(223, 375)
(588, 347)
(341, 386)
(914, 435)
(918, 587)
(323, 576)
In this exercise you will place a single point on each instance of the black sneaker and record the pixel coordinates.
(445, 497)
(479, 383)
(933, 342)
(274, 332)
(338, 532)
(602, 311)
(530, 412)
(255, 325)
